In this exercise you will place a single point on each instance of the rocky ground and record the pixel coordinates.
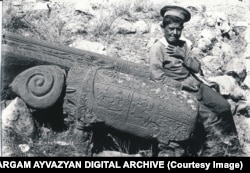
(218, 31)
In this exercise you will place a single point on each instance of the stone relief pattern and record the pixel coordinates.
(144, 110)
(128, 104)
(74, 84)
(75, 100)
(147, 87)
(40, 86)
(123, 84)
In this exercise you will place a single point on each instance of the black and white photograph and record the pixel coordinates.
(125, 78)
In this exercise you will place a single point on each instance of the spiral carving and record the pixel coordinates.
(41, 86)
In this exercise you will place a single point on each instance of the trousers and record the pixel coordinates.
(215, 112)
(215, 127)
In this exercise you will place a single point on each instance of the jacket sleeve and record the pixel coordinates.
(156, 68)
(191, 62)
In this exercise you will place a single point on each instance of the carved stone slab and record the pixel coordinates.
(65, 57)
(20, 53)
(130, 104)
(40, 86)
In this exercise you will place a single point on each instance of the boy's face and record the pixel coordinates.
(172, 32)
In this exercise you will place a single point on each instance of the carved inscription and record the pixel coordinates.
(130, 104)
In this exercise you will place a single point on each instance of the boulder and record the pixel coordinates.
(89, 46)
(212, 65)
(210, 21)
(237, 66)
(205, 33)
(223, 22)
(216, 51)
(81, 6)
(228, 87)
(141, 27)
(123, 26)
(17, 116)
(227, 52)
(205, 44)
(243, 108)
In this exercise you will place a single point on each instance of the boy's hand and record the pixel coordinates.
(176, 51)
(189, 88)
(214, 86)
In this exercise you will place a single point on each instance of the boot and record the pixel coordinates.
(220, 131)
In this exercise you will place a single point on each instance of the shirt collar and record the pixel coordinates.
(164, 42)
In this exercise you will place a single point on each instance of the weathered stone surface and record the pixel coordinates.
(204, 44)
(223, 22)
(89, 46)
(41, 86)
(20, 53)
(41, 52)
(236, 65)
(18, 117)
(211, 22)
(17, 127)
(130, 104)
(212, 65)
(216, 51)
(228, 52)
(142, 100)
(228, 87)
(141, 27)
(123, 26)
(206, 33)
